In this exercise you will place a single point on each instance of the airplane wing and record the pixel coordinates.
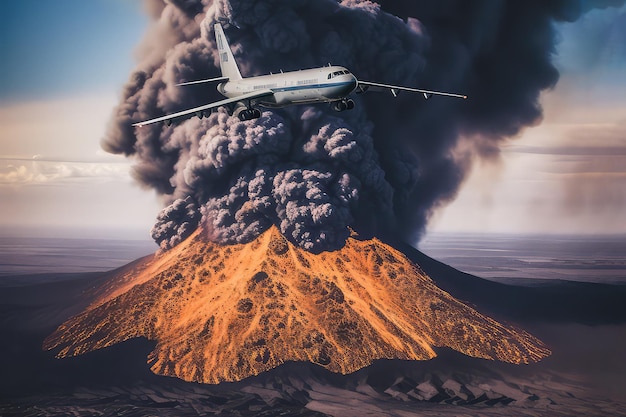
(363, 86)
(210, 80)
(244, 97)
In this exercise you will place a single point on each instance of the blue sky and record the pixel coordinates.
(64, 47)
(66, 61)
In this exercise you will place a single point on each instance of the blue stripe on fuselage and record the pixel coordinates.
(308, 87)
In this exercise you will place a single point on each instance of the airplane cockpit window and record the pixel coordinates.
(337, 73)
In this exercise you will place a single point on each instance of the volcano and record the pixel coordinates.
(223, 313)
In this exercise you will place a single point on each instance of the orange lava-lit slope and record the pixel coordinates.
(223, 313)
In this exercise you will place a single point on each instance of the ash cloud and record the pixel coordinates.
(381, 168)
(175, 223)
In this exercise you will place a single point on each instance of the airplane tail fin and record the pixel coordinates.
(227, 61)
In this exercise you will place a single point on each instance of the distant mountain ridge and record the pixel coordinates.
(536, 301)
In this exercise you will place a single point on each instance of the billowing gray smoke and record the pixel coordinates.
(381, 168)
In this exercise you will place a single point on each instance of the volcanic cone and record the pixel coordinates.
(223, 313)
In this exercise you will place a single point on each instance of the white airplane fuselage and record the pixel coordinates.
(331, 84)
(318, 85)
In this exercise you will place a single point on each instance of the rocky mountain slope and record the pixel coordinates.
(223, 313)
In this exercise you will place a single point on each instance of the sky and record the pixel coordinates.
(65, 62)
(568, 174)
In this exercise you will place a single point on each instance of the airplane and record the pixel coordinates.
(244, 96)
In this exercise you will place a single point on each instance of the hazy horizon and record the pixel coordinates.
(504, 257)
(140, 233)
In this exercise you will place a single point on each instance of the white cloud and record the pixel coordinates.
(44, 172)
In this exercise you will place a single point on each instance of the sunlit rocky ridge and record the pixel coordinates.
(223, 313)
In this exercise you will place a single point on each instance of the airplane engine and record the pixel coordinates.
(342, 105)
(244, 113)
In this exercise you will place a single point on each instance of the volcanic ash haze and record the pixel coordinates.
(223, 313)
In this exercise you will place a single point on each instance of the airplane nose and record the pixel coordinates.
(353, 82)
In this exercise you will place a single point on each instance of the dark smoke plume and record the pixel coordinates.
(380, 168)
(175, 223)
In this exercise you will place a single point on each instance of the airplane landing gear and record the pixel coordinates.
(342, 105)
(248, 114)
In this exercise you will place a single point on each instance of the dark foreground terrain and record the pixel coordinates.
(584, 324)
